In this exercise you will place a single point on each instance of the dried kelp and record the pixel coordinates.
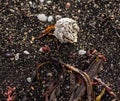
(85, 77)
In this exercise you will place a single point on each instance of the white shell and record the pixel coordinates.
(66, 30)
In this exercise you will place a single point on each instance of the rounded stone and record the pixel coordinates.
(50, 18)
(81, 52)
(42, 17)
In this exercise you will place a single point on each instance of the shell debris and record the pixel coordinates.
(66, 30)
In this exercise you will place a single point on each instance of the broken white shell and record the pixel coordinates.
(66, 30)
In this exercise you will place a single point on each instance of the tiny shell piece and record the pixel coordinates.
(66, 30)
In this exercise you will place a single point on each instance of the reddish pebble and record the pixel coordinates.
(45, 49)
(68, 5)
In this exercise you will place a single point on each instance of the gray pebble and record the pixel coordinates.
(29, 79)
(42, 1)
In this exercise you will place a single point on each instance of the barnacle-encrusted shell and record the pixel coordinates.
(66, 30)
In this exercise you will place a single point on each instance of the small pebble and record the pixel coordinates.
(26, 52)
(44, 49)
(29, 79)
(42, 17)
(68, 5)
(12, 10)
(12, 59)
(79, 11)
(17, 56)
(50, 18)
(32, 39)
(8, 54)
(49, 2)
(30, 2)
(42, 1)
(49, 74)
(25, 33)
(81, 52)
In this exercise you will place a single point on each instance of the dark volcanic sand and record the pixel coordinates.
(99, 28)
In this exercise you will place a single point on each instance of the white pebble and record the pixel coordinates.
(41, 49)
(42, 1)
(50, 18)
(30, 2)
(49, 2)
(81, 52)
(42, 17)
(29, 79)
(17, 56)
(49, 74)
(26, 52)
(12, 10)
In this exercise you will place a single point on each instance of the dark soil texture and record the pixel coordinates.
(99, 22)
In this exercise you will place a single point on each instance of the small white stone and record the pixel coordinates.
(41, 49)
(50, 18)
(29, 79)
(49, 74)
(26, 52)
(12, 10)
(81, 52)
(17, 56)
(30, 2)
(42, 17)
(42, 1)
(49, 2)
